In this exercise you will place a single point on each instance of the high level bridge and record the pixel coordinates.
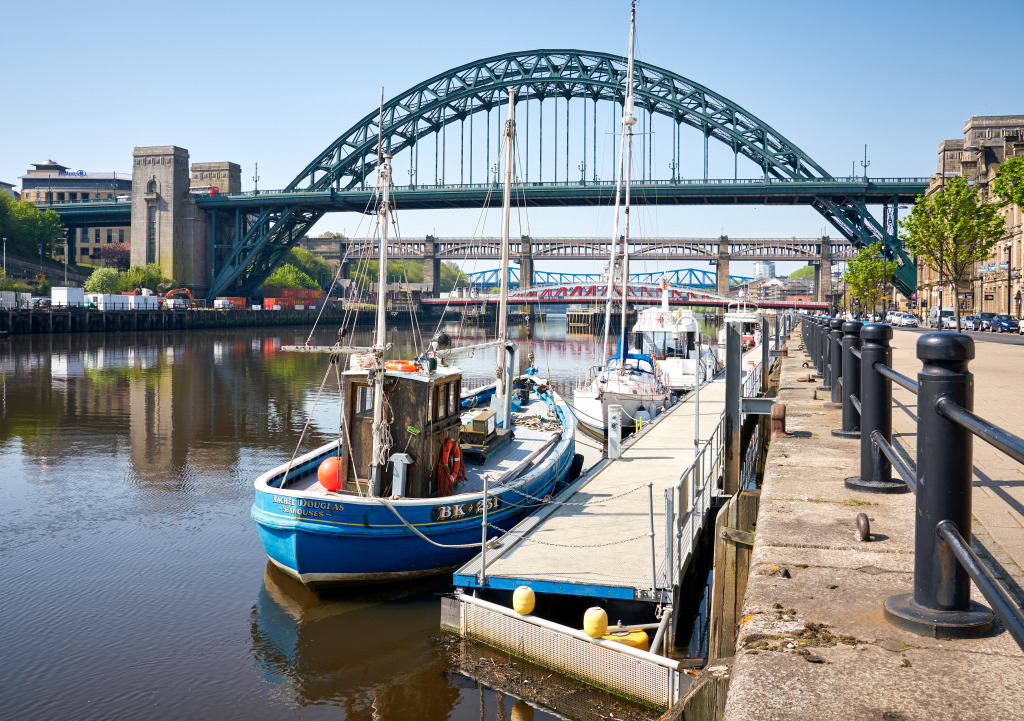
(446, 129)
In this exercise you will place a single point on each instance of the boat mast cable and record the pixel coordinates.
(503, 382)
(628, 121)
(381, 436)
(618, 200)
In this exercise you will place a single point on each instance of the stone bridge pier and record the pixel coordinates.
(722, 273)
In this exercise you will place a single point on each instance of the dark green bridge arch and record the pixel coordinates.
(274, 222)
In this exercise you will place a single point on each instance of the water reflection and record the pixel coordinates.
(130, 564)
(369, 653)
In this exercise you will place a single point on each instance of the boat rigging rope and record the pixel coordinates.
(309, 419)
(529, 420)
(428, 540)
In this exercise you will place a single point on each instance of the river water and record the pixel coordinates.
(132, 581)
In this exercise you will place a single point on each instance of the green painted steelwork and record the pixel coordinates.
(270, 223)
(429, 107)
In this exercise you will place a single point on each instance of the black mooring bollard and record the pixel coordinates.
(876, 413)
(820, 347)
(851, 381)
(835, 356)
(826, 356)
(941, 604)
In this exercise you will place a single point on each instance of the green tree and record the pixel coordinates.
(867, 274)
(148, 276)
(287, 276)
(8, 283)
(452, 277)
(26, 227)
(103, 280)
(806, 272)
(1009, 184)
(951, 231)
(310, 264)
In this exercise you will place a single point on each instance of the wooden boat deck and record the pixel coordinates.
(526, 440)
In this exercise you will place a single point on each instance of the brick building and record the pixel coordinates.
(987, 142)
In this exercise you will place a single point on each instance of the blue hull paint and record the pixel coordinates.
(347, 539)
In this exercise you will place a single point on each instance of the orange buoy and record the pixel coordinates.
(400, 365)
(329, 474)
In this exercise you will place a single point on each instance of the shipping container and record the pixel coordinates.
(62, 296)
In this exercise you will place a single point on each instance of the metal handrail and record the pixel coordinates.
(1011, 445)
(943, 457)
(897, 378)
(1004, 607)
(899, 463)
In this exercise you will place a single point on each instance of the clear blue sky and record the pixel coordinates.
(275, 83)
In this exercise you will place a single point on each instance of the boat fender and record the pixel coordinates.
(450, 468)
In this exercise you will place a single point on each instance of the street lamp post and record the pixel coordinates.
(1009, 266)
(5, 256)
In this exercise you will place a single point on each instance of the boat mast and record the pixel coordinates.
(504, 383)
(628, 121)
(618, 199)
(381, 436)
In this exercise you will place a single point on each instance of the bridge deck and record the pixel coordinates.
(595, 542)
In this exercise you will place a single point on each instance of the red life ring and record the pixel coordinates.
(450, 468)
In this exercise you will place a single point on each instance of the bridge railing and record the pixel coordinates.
(941, 477)
(590, 183)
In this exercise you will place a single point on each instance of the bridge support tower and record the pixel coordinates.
(722, 275)
(823, 272)
(431, 266)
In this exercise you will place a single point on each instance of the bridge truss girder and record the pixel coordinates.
(480, 86)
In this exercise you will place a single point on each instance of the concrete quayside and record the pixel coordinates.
(803, 630)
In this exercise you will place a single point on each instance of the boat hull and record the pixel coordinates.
(347, 539)
(591, 409)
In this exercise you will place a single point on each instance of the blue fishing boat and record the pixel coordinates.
(416, 482)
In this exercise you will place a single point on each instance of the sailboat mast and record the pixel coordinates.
(379, 460)
(503, 383)
(628, 121)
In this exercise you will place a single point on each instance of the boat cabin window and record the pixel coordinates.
(643, 365)
(453, 397)
(440, 401)
(363, 401)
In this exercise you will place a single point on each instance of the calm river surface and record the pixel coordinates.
(132, 581)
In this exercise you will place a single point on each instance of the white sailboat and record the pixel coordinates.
(675, 339)
(748, 317)
(627, 379)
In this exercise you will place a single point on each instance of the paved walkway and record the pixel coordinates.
(998, 479)
(813, 643)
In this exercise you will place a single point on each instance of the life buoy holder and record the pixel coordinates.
(450, 468)
(400, 365)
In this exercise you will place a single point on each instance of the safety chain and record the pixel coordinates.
(570, 545)
(550, 501)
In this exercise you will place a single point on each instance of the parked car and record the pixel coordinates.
(984, 320)
(948, 320)
(891, 317)
(905, 320)
(40, 302)
(1005, 324)
(970, 322)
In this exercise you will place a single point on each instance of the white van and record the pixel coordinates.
(933, 315)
